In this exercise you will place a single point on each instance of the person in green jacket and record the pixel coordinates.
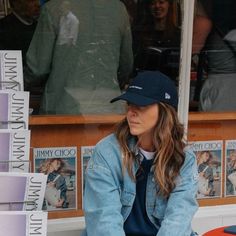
(83, 51)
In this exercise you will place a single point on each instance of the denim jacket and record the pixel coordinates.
(110, 193)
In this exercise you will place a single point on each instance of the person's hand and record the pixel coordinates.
(60, 203)
(208, 192)
(202, 174)
(51, 184)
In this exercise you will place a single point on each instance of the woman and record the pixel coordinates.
(230, 171)
(155, 34)
(206, 174)
(55, 195)
(158, 26)
(141, 180)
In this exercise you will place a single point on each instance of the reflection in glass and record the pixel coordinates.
(68, 26)
(82, 51)
(157, 37)
(17, 28)
(216, 60)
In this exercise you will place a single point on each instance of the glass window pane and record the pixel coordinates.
(78, 55)
(214, 56)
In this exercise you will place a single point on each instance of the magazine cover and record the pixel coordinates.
(86, 153)
(14, 146)
(22, 191)
(14, 110)
(209, 161)
(23, 223)
(60, 165)
(11, 70)
(230, 168)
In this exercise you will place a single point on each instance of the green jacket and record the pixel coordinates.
(84, 55)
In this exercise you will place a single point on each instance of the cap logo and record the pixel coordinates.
(135, 87)
(167, 96)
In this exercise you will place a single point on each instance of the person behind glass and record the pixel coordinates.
(154, 34)
(131, 6)
(17, 28)
(84, 53)
(52, 167)
(202, 26)
(142, 179)
(218, 90)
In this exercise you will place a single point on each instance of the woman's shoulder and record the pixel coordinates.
(190, 157)
(109, 141)
(108, 148)
(189, 167)
(188, 150)
(107, 156)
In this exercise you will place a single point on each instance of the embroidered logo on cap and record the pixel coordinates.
(167, 96)
(135, 87)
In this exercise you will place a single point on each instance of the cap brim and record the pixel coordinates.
(135, 99)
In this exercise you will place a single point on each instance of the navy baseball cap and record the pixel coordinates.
(150, 87)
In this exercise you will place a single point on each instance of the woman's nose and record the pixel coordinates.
(132, 109)
(156, 4)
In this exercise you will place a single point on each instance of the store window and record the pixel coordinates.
(78, 55)
(213, 71)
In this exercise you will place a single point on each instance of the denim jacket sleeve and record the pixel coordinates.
(182, 203)
(102, 205)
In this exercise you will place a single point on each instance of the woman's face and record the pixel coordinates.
(159, 8)
(28, 8)
(142, 119)
(205, 156)
(233, 156)
(56, 164)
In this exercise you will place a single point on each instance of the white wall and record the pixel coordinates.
(206, 218)
(66, 226)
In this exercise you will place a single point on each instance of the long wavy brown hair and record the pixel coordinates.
(169, 144)
(45, 165)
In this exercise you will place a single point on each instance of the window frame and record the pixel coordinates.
(185, 61)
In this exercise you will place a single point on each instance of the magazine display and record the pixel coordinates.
(11, 70)
(23, 223)
(22, 191)
(60, 165)
(14, 110)
(230, 168)
(209, 161)
(14, 146)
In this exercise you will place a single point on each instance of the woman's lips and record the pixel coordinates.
(133, 123)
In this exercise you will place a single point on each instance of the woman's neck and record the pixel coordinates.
(160, 24)
(146, 144)
(147, 154)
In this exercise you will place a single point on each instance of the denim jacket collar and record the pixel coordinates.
(133, 145)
